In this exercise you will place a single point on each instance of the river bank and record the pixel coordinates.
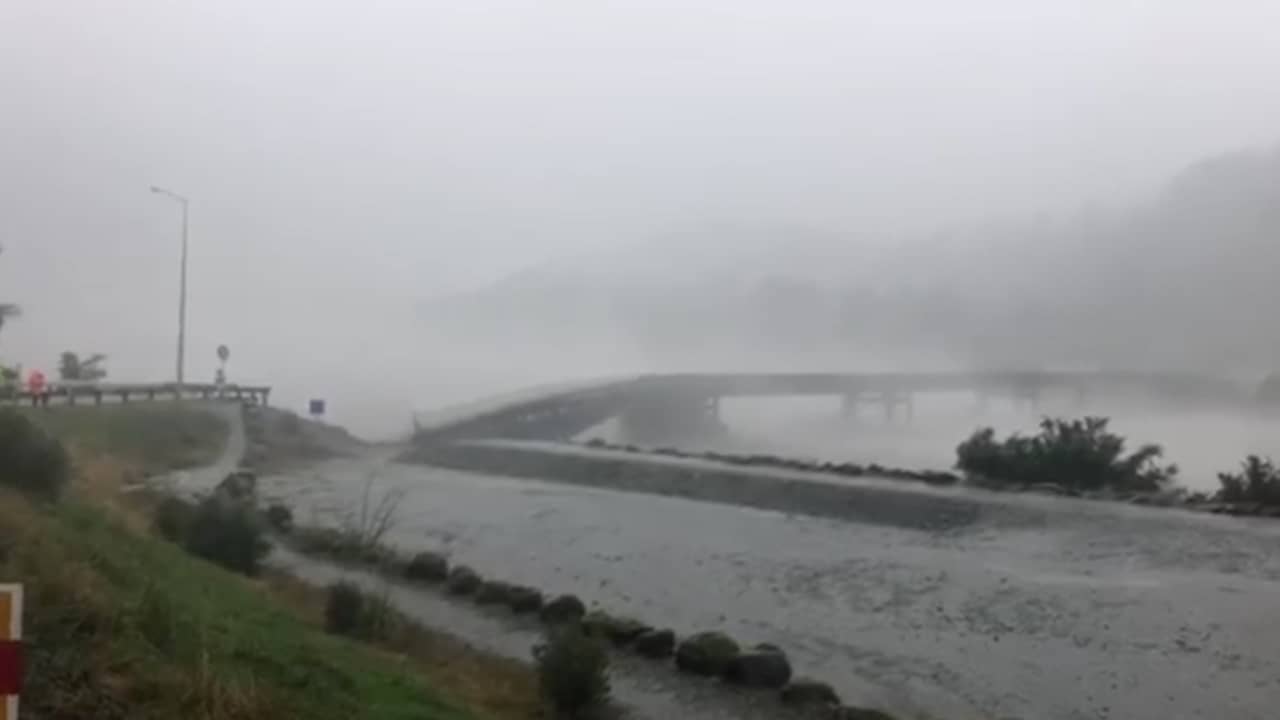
(122, 624)
(863, 493)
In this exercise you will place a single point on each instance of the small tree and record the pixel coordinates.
(352, 612)
(1258, 481)
(573, 670)
(8, 311)
(343, 609)
(369, 521)
(1077, 454)
(30, 459)
(72, 367)
(227, 533)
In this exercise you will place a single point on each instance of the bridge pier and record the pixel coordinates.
(671, 420)
(892, 401)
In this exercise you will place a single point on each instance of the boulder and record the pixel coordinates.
(493, 592)
(768, 668)
(618, 630)
(656, 644)
(845, 712)
(707, 653)
(1048, 489)
(563, 609)
(462, 581)
(809, 693)
(524, 599)
(428, 566)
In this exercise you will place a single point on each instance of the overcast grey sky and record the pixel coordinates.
(346, 158)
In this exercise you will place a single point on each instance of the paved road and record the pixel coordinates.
(1090, 612)
(205, 479)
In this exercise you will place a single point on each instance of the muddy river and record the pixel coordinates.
(1089, 611)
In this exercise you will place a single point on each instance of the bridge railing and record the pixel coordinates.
(71, 392)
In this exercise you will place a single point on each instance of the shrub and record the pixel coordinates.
(563, 609)
(30, 459)
(280, 517)
(573, 671)
(343, 608)
(462, 581)
(523, 600)
(706, 653)
(1079, 455)
(1258, 482)
(352, 612)
(173, 517)
(228, 534)
(619, 630)
(428, 566)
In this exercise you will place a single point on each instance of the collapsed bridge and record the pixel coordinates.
(658, 408)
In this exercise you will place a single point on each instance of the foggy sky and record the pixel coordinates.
(346, 159)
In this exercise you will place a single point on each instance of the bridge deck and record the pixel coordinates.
(564, 411)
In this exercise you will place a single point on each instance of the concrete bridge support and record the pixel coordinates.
(671, 420)
(896, 404)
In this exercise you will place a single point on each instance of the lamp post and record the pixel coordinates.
(182, 285)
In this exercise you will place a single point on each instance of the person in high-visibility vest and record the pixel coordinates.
(37, 386)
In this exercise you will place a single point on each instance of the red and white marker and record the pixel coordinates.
(10, 650)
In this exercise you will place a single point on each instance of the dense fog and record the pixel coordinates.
(398, 206)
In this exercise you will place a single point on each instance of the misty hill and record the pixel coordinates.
(1186, 280)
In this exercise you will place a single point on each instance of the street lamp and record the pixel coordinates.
(182, 284)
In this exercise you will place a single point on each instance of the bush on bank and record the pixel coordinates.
(31, 460)
(223, 532)
(280, 517)
(573, 670)
(1077, 455)
(1257, 482)
(352, 612)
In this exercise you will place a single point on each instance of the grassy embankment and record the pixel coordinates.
(121, 624)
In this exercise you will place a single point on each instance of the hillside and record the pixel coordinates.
(1179, 281)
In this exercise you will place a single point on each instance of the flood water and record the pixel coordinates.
(1094, 611)
(1201, 442)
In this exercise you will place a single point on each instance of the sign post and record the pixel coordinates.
(11, 668)
(220, 377)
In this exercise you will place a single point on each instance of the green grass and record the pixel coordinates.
(124, 625)
(157, 437)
